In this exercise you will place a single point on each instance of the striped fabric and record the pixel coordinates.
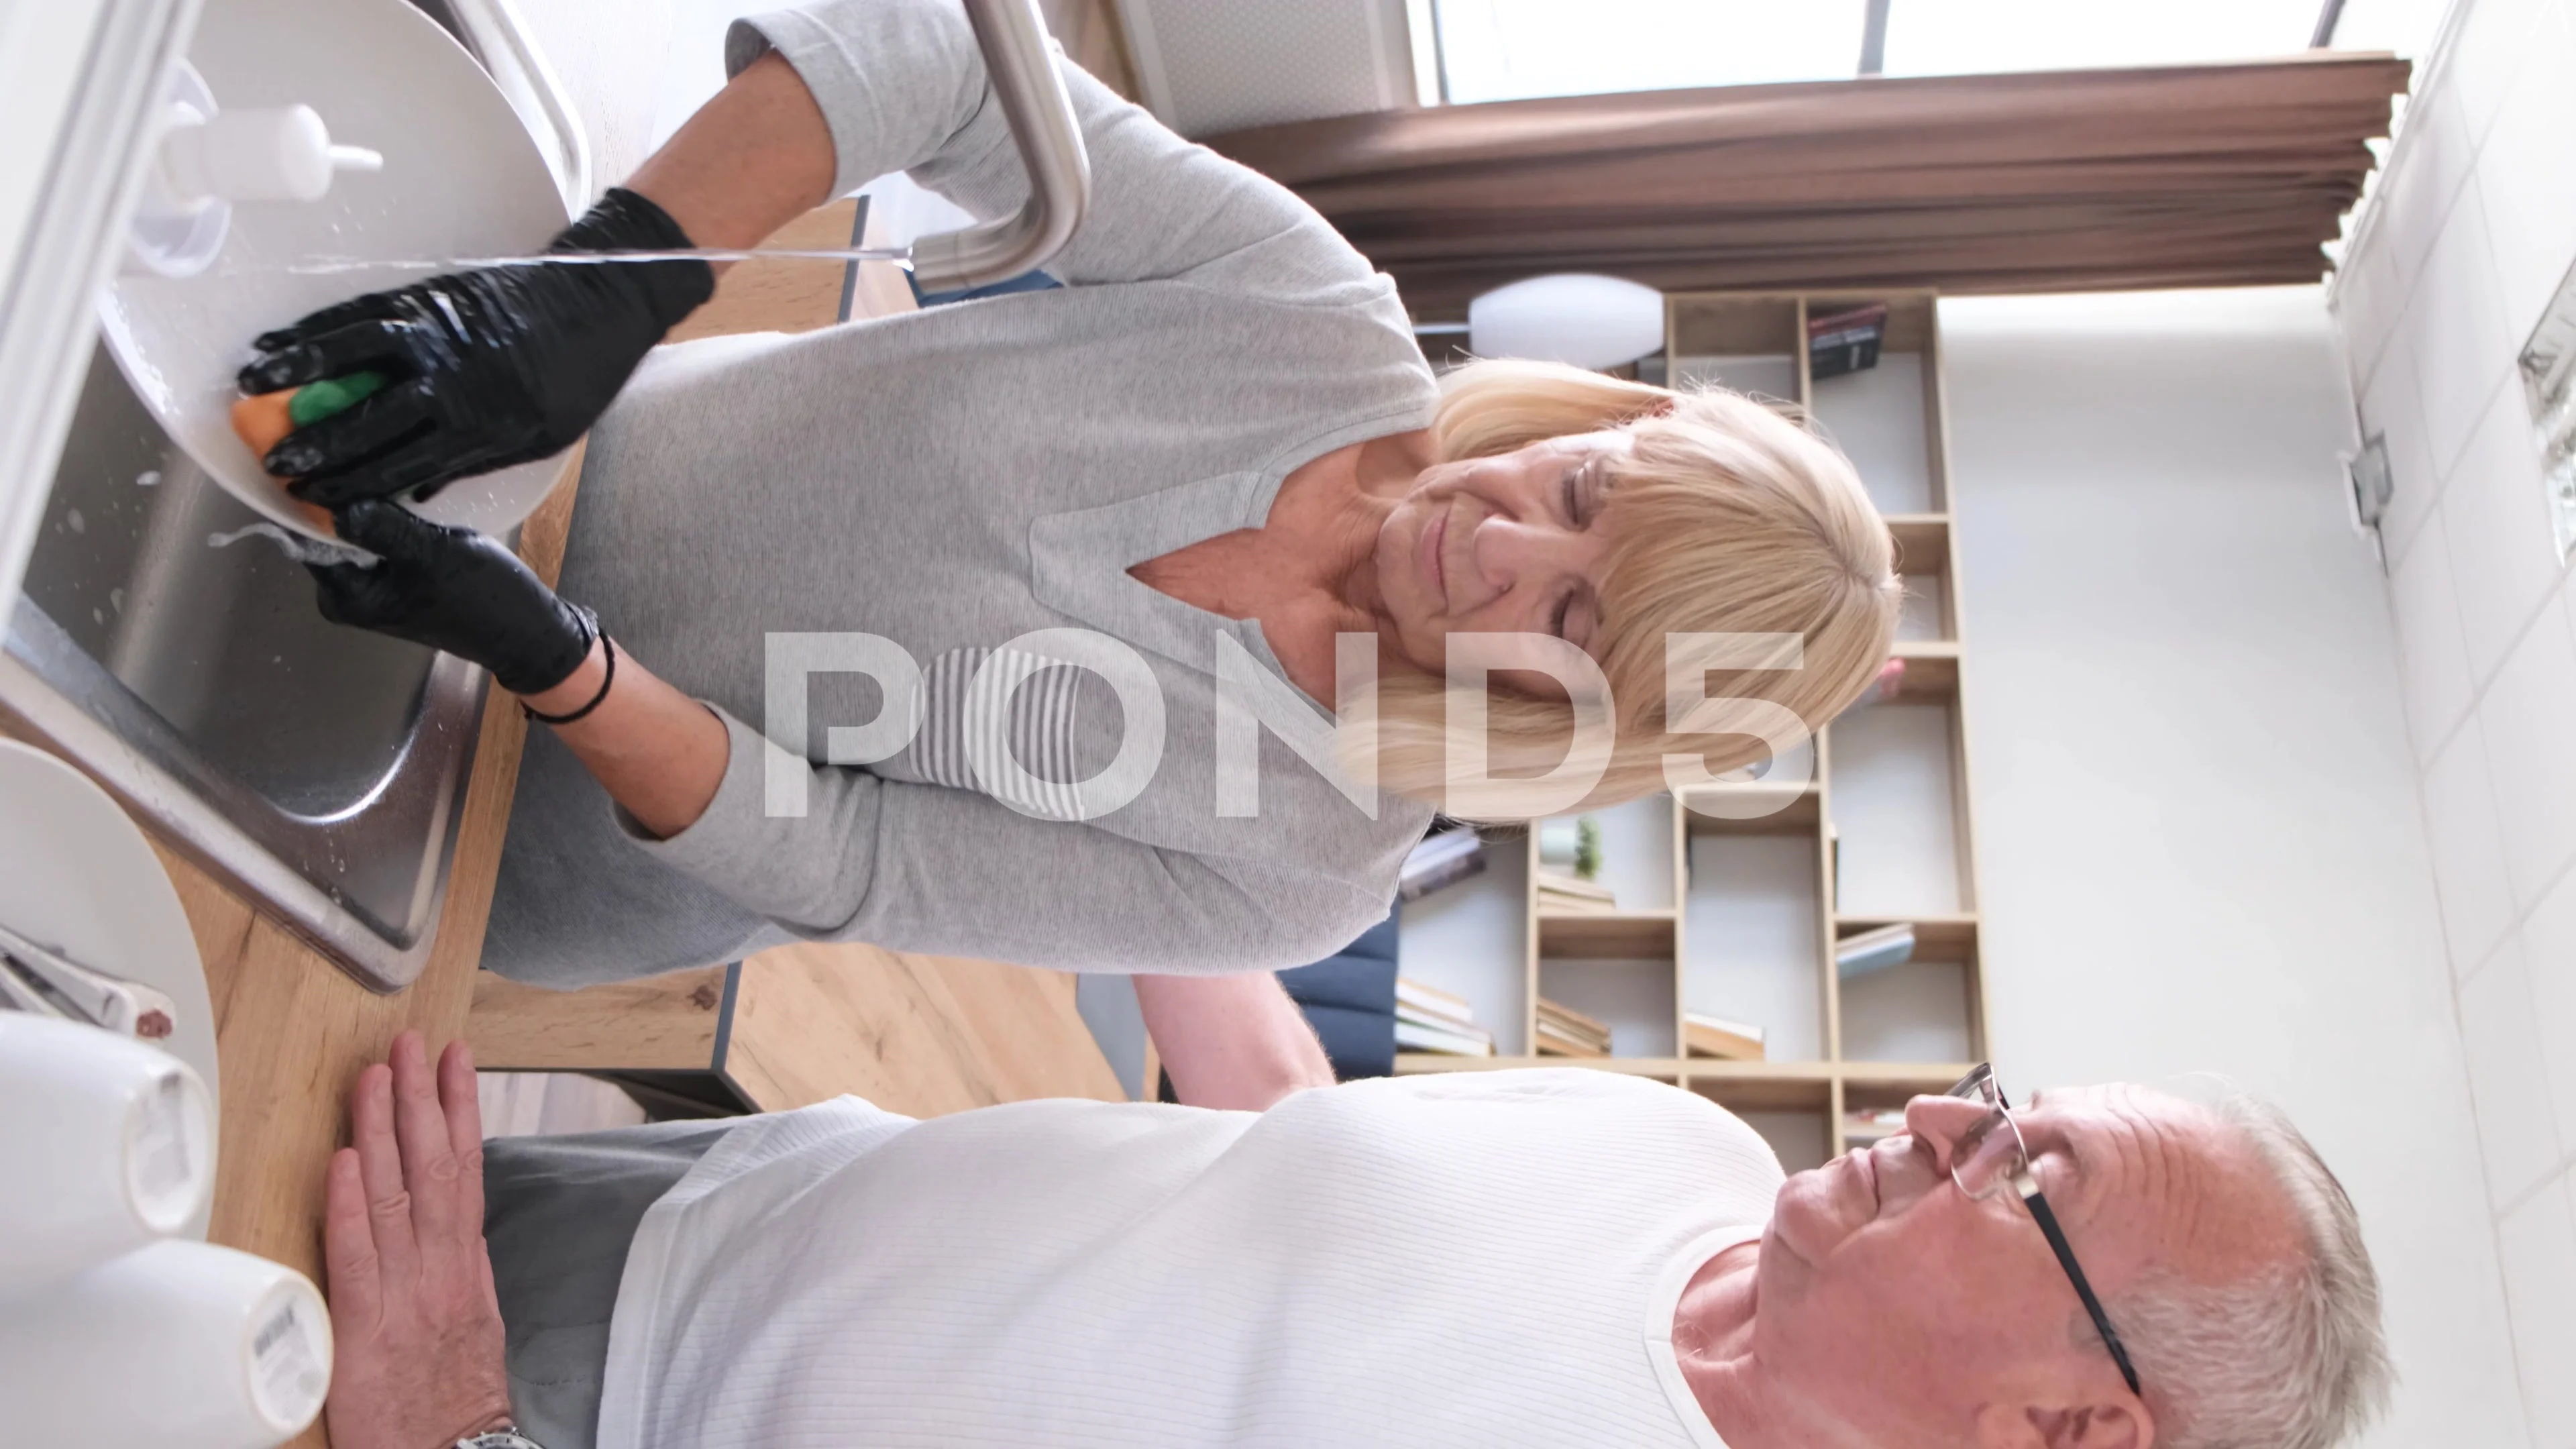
(1006, 730)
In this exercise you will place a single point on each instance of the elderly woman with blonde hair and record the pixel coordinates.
(1020, 628)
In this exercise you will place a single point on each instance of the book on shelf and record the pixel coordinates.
(1561, 892)
(1432, 1000)
(1440, 860)
(1565, 884)
(1443, 1020)
(1565, 1032)
(1715, 1036)
(1439, 1020)
(1428, 1019)
(1863, 1126)
(1551, 1044)
(1573, 1020)
(1414, 1036)
(1874, 950)
(1845, 341)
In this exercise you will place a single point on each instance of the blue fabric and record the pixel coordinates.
(1349, 998)
(1024, 282)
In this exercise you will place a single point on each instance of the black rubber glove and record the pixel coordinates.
(486, 368)
(456, 590)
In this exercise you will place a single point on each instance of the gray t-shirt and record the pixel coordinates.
(952, 480)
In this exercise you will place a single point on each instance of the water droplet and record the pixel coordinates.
(78, 523)
(148, 478)
(116, 600)
(97, 616)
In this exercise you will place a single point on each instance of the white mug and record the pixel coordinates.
(177, 1343)
(106, 1143)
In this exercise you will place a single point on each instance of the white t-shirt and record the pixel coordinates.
(1485, 1259)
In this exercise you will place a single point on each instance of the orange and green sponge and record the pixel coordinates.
(263, 419)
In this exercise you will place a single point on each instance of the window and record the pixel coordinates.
(1955, 37)
(1500, 50)
(1496, 50)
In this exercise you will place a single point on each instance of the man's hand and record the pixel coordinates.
(418, 1330)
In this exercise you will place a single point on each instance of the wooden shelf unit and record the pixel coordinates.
(1882, 776)
(1607, 935)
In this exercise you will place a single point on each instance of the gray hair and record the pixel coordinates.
(2293, 1359)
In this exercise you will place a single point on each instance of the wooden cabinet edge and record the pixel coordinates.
(661, 1023)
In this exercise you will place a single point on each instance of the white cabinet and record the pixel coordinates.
(77, 79)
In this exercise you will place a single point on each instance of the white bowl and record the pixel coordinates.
(462, 178)
(77, 875)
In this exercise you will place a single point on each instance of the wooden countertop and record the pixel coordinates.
(292, 1029)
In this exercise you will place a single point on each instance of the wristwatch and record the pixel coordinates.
(505, 1437)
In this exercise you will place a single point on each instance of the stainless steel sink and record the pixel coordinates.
(200, 683)
(318, 771)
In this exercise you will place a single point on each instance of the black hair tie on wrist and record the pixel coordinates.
(610, 646)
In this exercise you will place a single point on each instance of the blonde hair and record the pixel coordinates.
(1726, 517)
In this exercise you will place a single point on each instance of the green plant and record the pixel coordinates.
(1587, 848)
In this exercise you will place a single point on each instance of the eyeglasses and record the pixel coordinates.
(1990, 1158)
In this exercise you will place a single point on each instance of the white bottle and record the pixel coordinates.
(106, 1144)
(210, 158)
(176, 1344)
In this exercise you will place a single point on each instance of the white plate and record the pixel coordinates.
(76, 875)
(462, 178)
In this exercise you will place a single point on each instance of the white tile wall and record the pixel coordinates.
(2517, 1125)
(2468, 851)
(2489, 55)
(2423, 179)
(2504, 562)
(2567, 598)
(2531, 222)
(2456, 320)
(2368, 303)
(2538, 1244)
(2393, 406)
(2549, 955)
(2429, 643)
(2460, 248)
(2529, 715)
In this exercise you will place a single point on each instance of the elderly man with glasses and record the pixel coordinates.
(1550, 1258)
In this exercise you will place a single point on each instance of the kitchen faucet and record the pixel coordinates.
(1020, 58)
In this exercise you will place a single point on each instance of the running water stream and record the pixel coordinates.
(325, 266)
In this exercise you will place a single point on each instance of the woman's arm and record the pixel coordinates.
(901, 86)
(1233, 1042)
(658, 753)
(753, 159)
(494, 366)
(854, 856)
(839, 853)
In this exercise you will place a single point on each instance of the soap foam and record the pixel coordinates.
(296, 546)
